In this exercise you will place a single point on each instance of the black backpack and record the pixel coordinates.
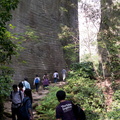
(78, 112)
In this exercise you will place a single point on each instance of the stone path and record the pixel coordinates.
(37, 96)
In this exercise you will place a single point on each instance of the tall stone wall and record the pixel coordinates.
(46, 54)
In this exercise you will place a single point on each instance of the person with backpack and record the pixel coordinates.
(55, 76)
(26, 107)
(36, 82)
(64, 111)
(67, 110)
(16, 97)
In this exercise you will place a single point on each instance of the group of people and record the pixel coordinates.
(26, 85)
(21, 99)
(56, 75)
(22, 95)
(46, 81)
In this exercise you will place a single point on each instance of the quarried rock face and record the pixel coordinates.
(44, 55)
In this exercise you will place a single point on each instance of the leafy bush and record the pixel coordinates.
(47, 108)
(84, 91)
(7, 49)
(114, 114)
(85, 69)
(5, 82)
(80, 90)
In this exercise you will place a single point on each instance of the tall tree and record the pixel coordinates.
(7, 49)
(109, 37)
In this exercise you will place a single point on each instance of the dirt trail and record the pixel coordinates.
(105, 85)
(37, 96)
(108, 91)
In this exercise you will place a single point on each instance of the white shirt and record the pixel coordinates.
(26, 84)
(55, 75)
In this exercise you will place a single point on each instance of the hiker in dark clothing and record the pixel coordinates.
(16, 97)
(36, 82)
(26, 109)
(64, 111)
(20, 85)
(45, 81)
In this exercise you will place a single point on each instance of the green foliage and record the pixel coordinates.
(7, 49)
(21, 38)
(85, 69)
(109, 39)
(62, 9)
(114, 114)
(48, 105)
(29, 35)
(6, 45)
(80, 90)
(69, 43)
(5, 80)
(5, 7)
(70, 53)
(84, 92)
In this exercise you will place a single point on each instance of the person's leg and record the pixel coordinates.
(55, 80)
(13, 113)
(37, 87)
(47, 87)
(43, 87)
(64, 77)
(18, 114)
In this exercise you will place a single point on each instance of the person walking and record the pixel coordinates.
(64, 111)
(55, 76)
(45, 81)
(26, 84)
(16, 97)
(36, 82)
(20, 85)
(64, 72)
(26, 108)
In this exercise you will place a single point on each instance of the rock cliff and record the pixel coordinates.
(46, 54)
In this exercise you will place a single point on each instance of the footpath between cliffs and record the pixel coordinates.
(37, 96)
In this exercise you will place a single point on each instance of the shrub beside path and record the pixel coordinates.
(105, 85)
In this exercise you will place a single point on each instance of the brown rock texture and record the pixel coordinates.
(44, 55)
